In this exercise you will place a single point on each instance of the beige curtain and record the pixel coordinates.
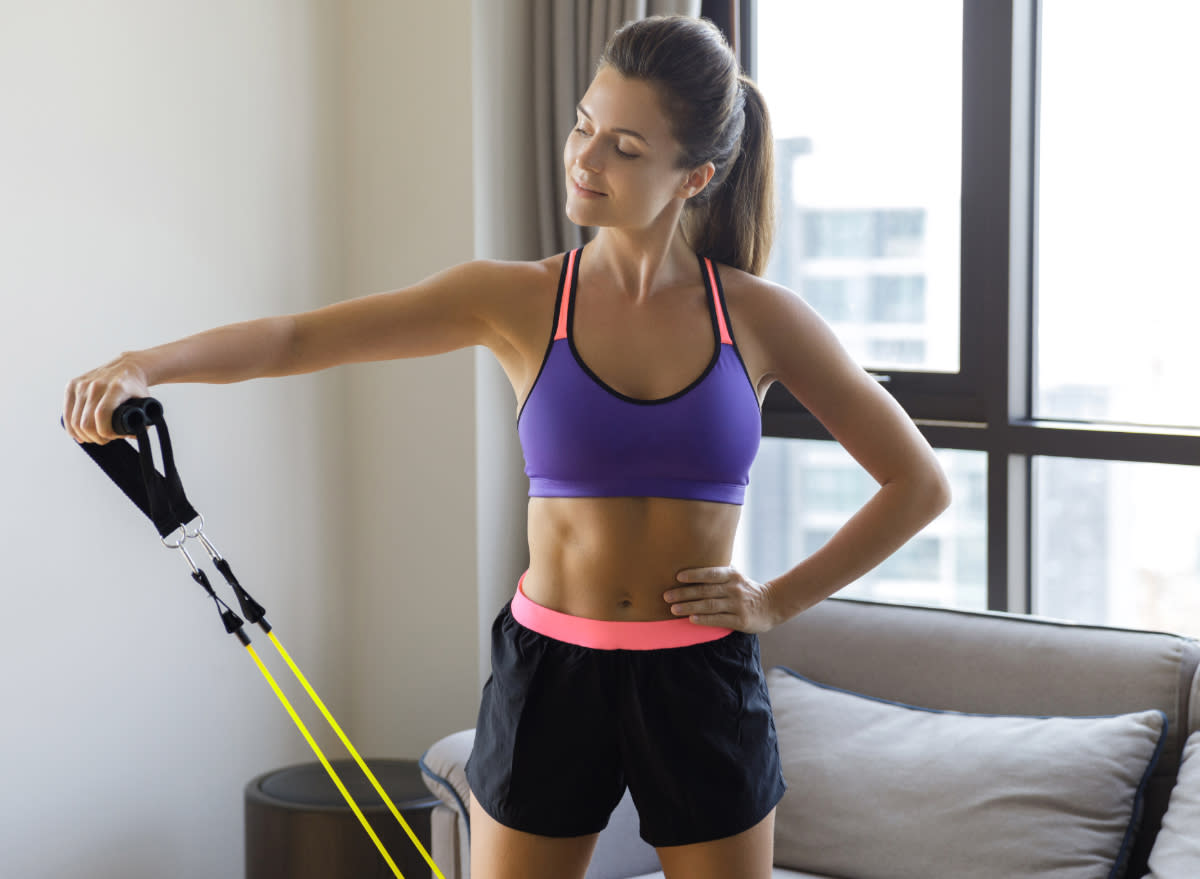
(568, 36)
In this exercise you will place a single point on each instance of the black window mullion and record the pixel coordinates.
(996, 231)
(1065, 439)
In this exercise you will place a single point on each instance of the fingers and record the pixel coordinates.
(92, 398)
(77, 415)
(719, 620)
(695, 593)
(90, 401)
(702, 608)
(706, 575)
(102, 417)
(719, 596)
(704, 599)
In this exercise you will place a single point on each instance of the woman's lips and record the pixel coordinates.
(584, 192)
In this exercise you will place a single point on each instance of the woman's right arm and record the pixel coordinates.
(453, 309)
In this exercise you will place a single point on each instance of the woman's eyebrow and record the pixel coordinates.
(585, 114)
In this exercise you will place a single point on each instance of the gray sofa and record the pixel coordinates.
(915, 736)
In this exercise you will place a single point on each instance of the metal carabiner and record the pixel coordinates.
(199, 532)
(212, 550)
(179, 545)
(183, 536)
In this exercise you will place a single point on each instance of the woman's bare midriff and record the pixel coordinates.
(613, 558)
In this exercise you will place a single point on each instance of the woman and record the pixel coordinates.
(628, 655)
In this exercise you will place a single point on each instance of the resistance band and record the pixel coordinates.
(161, 497)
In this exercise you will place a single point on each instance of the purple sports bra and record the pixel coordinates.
(581, 438)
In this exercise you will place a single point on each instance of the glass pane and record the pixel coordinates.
(866, 103)
(1116, 543)
(802, 491)
(1119, 185)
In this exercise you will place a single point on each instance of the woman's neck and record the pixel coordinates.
(642, 263)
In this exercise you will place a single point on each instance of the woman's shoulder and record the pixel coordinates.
(516, 277)
(754, 295)
(774, 326)
(516, 270)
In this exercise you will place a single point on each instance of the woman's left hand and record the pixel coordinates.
(722, 597)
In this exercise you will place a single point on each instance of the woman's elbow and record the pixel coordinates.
(935, 493)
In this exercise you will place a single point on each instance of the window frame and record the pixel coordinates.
(987, 406)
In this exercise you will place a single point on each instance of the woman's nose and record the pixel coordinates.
(588, 159)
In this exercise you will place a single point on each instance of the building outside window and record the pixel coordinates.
(1044, 276)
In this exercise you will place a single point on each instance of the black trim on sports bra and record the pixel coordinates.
(729, 328)
(562, 277)
(716, 355)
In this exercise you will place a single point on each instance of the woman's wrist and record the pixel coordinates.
(137, 366)
(776, 602)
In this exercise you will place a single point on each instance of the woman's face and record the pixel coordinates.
(621, 158)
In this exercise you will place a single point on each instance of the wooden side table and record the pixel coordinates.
(299, 827)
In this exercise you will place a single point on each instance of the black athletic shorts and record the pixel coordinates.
(563, 729)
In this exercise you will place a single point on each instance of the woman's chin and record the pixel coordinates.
(581, 217)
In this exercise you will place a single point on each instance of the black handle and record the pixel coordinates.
(135, 414)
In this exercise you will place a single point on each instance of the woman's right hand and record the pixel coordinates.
(92, 398)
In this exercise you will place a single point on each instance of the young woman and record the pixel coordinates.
(628, 655)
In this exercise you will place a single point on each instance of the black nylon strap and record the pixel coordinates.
(120, 461)
(161, 498)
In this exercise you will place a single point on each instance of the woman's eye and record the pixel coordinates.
(582, 131)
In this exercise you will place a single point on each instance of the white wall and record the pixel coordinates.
(165, 167)
(412, 424)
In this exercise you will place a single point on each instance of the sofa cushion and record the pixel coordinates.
(443, 768)
(882, 790)
(1176, 852)
(776, 873)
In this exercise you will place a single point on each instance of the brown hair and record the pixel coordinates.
(718, 115)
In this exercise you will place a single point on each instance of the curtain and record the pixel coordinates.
(568, 37)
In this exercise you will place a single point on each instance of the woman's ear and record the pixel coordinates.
(696, 179)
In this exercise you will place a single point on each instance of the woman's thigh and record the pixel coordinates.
(748, 855)
(499, 852)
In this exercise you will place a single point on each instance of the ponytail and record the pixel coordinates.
(718, 115)
(735, 224)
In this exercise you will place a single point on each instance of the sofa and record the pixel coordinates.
(924, 742)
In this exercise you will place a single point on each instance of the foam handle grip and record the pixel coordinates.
(135, 414)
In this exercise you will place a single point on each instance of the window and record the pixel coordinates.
(1116, 542)
(862, 235)
(802, 491)
(1118, 293)
(830, 297)
(897, 299)
(839, 235)
(994, 206)
(866, 106)
(897, 352)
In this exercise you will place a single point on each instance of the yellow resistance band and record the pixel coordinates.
(312, 694)
(320, 756)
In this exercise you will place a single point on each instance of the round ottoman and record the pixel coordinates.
(299, 827)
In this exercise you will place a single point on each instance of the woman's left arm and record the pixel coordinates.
(784, 340)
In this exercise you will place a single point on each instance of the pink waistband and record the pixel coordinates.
(609, 634)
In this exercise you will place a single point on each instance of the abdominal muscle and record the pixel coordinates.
(613, 558)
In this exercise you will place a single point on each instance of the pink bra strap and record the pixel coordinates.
(564, 299)
(726, 339)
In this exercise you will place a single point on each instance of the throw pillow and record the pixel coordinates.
(881, 790)
(1176, 852)
(443, 770)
